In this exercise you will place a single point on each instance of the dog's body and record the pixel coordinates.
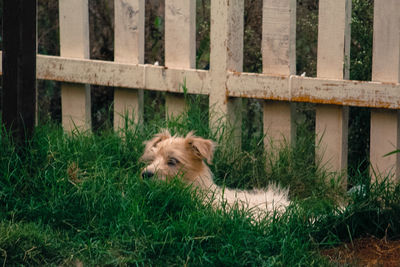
(170, 156)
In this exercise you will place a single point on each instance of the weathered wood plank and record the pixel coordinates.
(170, 80)
(346, 92)
(128, 48)
(385, 124)
(383, 95)
(19, 59)
(279, 37)
(333, 25)
(279, 58)
(124, 75)
(226, 37)
(314, 90)
(129, 31)
(260, 86)
(331, 120)
(180, 45)
(74, 43)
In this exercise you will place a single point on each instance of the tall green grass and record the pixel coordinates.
(79, 198)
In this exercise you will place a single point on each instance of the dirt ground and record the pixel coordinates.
(366, 252)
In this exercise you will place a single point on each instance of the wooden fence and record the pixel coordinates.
(225, 83)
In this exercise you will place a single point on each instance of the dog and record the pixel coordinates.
(169, 156)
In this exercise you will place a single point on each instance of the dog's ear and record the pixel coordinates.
(163, 135)
(202, 148)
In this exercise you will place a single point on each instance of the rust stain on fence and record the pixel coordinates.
(346, 102)
(330, 85)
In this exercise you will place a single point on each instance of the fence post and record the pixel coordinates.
(227, 20)
(333, 62)
(180, 45)
(19, 67)
(129, 16)
(279, 58)
(385, 124)
(74, 43)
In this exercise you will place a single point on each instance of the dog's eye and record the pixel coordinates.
(172, 162)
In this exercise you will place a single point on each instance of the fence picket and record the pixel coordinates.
(279, 58)
(226, 37)
(74, 43)
(128, 48)
(180, 45)
(385, 124)
(333, 55)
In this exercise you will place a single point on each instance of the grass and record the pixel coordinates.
(79, 198)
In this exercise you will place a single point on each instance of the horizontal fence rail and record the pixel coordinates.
(244, 85)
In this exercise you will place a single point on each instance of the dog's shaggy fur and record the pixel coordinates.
(174, 156)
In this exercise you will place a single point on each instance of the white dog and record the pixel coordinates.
(174, 156)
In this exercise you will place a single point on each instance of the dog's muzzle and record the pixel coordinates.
(147, 174)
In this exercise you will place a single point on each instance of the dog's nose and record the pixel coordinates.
(147, 174)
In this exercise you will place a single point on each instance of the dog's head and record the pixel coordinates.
(169, 156)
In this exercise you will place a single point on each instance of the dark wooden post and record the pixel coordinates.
(19, 67)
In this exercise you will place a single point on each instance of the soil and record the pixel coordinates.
(368, 251)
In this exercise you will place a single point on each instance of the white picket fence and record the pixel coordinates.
(225, 83)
